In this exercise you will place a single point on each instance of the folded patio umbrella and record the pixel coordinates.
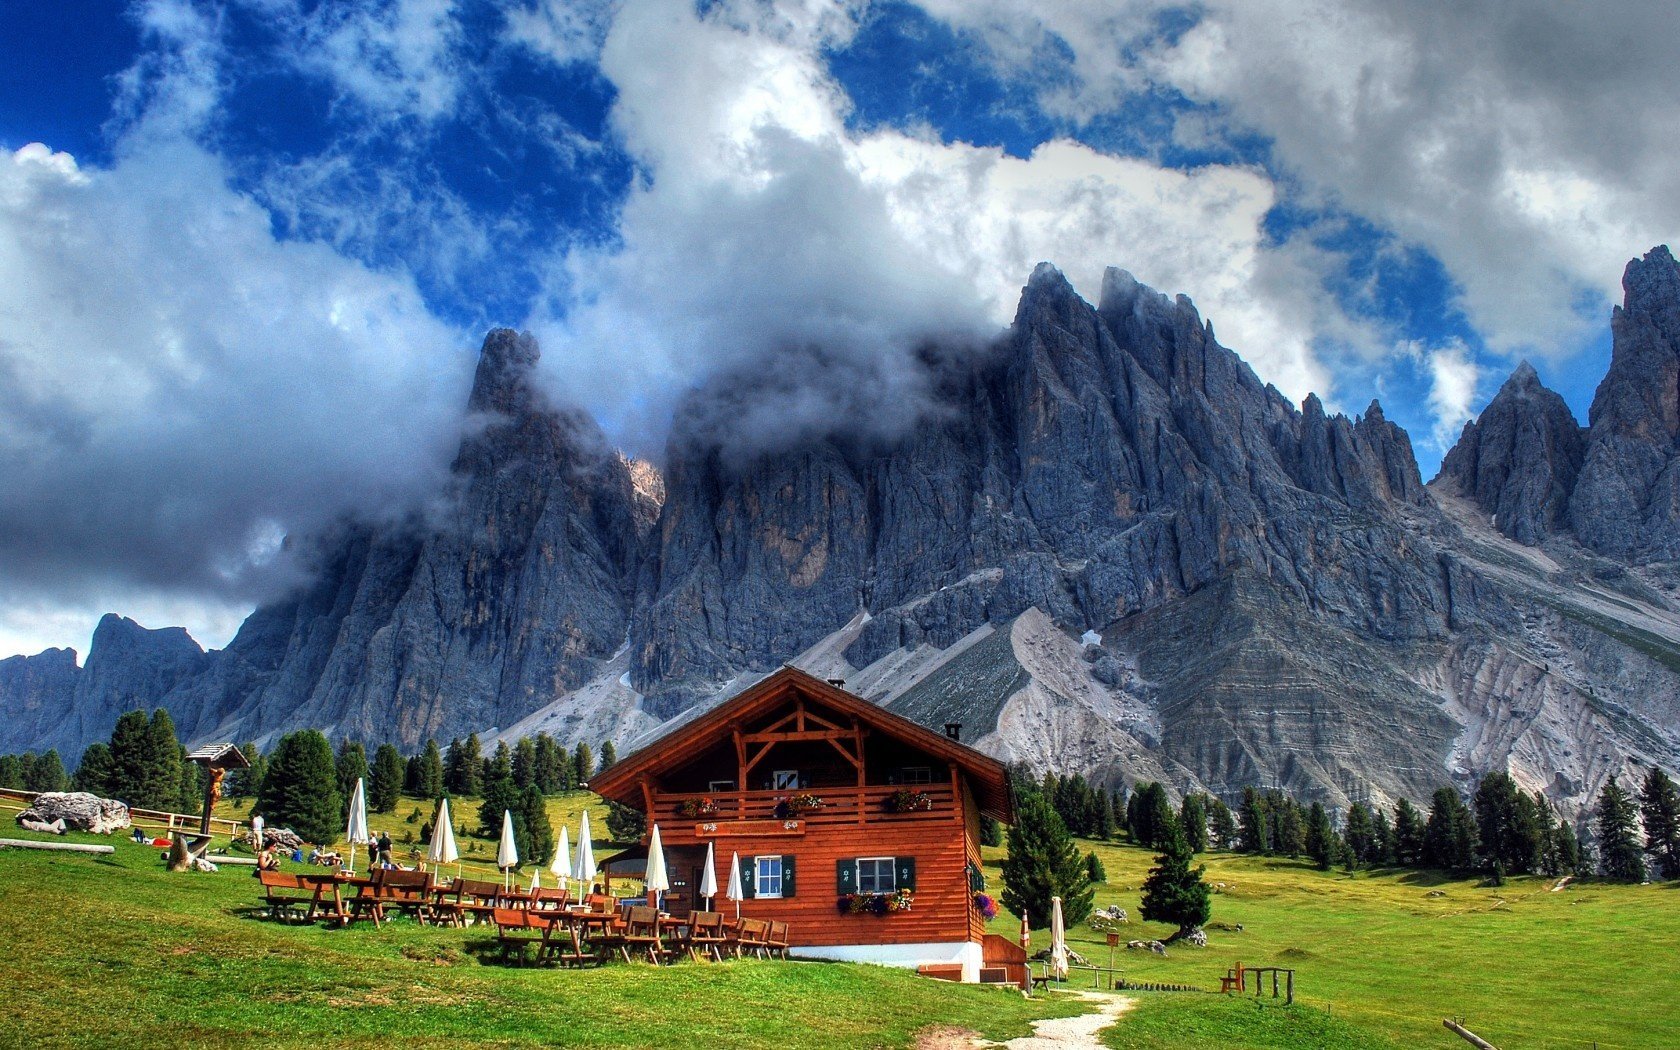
(708, 879)
(357, 831)
(507, 855)
(657, 880)
(442, 849)
(561, 866)
(1058, 942)
(583, 868)
(734, 891)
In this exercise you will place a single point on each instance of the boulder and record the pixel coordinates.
(1147, 946)
(284, 838)
(1196, 938)
(78, 810)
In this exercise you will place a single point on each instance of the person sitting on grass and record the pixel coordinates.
(268, 859)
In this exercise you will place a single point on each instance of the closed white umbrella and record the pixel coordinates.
(536, 879)
(583, 868)
(561, 866)
(1058, 942)
(657, 879)
(734, 891)
(442, 850)
(357, 831)
(708, 878)
(507, 854)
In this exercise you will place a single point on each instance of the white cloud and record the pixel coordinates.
(1453, 378)
(764, 222)
(178, 386)
(1528, 146)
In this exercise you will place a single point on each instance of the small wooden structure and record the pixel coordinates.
(185, 848)
(1260, 973)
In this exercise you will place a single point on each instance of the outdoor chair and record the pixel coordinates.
(517, 929)
(641, 934)
(705, 934)
(477, 900)
(752, 937)
(282, 892)
(547, 899)
(777, 940)
(367, 902)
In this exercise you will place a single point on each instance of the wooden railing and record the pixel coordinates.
(163, 820)
(840, 805)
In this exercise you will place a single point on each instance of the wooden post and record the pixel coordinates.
(1467, 1035)
(1291, 1001)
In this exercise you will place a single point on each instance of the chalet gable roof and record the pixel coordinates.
(987, 776)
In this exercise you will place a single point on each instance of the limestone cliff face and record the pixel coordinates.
(1520, 459)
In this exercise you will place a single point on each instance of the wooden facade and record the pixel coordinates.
(740, 777)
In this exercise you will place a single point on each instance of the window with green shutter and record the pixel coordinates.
(787, 875)
(845, 875)
(906, 873)
(749, 877)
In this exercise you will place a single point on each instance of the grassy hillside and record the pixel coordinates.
(117, 952)
(1389, 955)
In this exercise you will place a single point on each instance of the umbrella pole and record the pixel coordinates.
(352, 867)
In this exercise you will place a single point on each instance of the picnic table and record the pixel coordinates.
(323, 883)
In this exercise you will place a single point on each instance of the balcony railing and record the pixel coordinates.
(840, 805)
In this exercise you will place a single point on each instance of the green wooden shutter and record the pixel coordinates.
(906, 879)
(787, 875)
(749, 877)
(845, 875)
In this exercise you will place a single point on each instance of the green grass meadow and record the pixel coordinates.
(113, 951)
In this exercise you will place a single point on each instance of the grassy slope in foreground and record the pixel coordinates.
(1526, 967)
(116, 952)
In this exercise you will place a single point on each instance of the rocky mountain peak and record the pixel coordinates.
(501, 382)
(1652, 284)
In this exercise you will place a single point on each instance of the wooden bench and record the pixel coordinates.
(283, 892)
(518, 929)
(705, 935)
(752, 935)
(1233, 980)
(641, 935)
(777, 941)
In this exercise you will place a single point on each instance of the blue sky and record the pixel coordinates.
(247, 248)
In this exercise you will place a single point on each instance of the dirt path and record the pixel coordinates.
(1057, 1033)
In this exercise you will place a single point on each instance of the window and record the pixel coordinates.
(918, 775)
(767, 876)
(875, 874)
(784, 779)
(720, 785)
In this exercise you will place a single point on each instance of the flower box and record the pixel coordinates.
(697, 807)
(874, 903)
(906, 801)
(794, 805)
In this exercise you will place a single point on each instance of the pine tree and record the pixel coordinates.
(991, 831)
(609, 755)
(1358, 833)
(551, 765)
(1659, 806)
(499, 795)
(94, 773)
(1507, 825)
(1106, 828)
(1449, 837)
(1253, 836)
(385, 787)
(1619, 855)
(1094, 869)
(625, 824)
(247, 782)
(1192, 817)
(411, 785)
(1118, 802)
(1042, 863)
(1151, 809)
(1320, 838)
(500, 764)
(537, 847)
(525, 763)
(583, 763)
(463, 769)
(1222, 825)
(351, 766)
(1174, 891)
(431, 772)
(13, 771)
(1408, 834)
(301, 789)
(130, 750)
(1551, 862)
(46, 773)
(1291, 837)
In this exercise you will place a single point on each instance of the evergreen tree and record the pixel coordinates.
(1291, 837)
(1507, 825)
(551, 765)
(46, 773)
(1253, 836)
(625, 824)
(1357, 832)
(1580, 851)
(1151, 810)
(1551, 860)
(1043, 863)
(1382, 838)
(500, 765)
(1449, 837)
(1192, 818)
(130, 755)
(166, 758)
(537, 847)
(412, 777)
(609, 755)
(525, 763)
(1408, 834)
(1321, 837)
(583, 763)
(1107, 830)
(14, 771)
(1222, 825)
(499, 795)
(190, 794)
(991, 831)
(1094, 868)
(1619, 855)
(245, 783)
(94, 773)
(385, 785)
(301, 789)
(1659, 807)
(431, 772)
(1118, 803)
(463, 769)
(351, 766)
(1174, 891)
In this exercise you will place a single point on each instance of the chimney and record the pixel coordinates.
(954, 730)
(838, 683)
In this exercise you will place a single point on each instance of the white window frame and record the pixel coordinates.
(785, 780)
(720, 785)
(892, 875)
(918, 774)
(759, 877)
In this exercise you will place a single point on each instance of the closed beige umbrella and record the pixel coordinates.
(1058, 942)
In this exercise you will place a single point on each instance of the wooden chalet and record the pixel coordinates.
(839, 811)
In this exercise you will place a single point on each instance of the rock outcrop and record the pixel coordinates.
(77, 811)
(1519, 459)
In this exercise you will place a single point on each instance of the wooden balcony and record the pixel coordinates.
(764, 812)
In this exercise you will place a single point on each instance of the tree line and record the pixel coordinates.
(1501, 831)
